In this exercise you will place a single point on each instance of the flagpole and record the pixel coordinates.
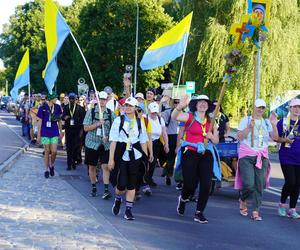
(181, 67)
(92, 79)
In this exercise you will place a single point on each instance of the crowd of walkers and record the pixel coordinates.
(129, 138)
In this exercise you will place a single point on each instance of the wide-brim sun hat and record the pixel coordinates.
(140, 95)
(195, 99)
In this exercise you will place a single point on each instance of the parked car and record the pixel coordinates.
(11, 106)
(4, 101)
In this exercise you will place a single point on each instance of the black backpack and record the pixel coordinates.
(108, 112)
(122, 120)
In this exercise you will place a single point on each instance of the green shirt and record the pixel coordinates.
(92, 140)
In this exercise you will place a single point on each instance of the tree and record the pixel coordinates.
(24, 31)
(107, 35)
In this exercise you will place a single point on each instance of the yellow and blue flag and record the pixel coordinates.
(22, 77)
(169, 46)
(56, 31)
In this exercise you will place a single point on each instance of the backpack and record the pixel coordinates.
(108, 112)
(122, 120)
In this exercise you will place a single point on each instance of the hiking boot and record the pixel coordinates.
(293, 214)
(199, 217)
(179, 186)
(116, 207)
(51, 171)
(94, 192)
(168, 181)
(128, 215)
(147, 190)
(180, 206)
(46, 174)
(282, 210)
(106, 195)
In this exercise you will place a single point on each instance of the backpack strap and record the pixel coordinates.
(122, 120)
(169, 120)
(191, 123)
(109, 117)
(284, 125)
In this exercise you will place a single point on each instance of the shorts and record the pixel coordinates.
(49, 140)
(92, 156)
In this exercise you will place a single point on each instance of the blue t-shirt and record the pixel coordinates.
(289, 155)
(44, 113)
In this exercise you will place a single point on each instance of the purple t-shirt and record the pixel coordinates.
(289, 156)
(43, 114)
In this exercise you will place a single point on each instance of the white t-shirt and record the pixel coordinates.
(262, 125)
(112, 105)
(156, 127)
(114, 135)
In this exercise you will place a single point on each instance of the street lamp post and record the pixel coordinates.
(136, 46)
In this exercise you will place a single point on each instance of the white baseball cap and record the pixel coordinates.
(295, 102)
(139, 95)
(153, 107)
(102, 95)
(131, 101)
(260, 103)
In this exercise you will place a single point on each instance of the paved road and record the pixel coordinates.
(9, 142)
(157, 226)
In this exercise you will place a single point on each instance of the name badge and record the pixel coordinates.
(260, 141)
(129, 146)
(48, 124)
(72, 123)
(98, 132)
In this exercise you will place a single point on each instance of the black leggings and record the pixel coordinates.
(292, 184)
(156, 146)
(197, 167)
(128, 174)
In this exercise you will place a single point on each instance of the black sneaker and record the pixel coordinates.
(51, 171)
(116, 207)
(94, 192)
(199, 217)
(179, 186)
(106, 195)
(69, 168)
(46, 174)
(168, 181)
(193, 199)
(128, 215)
(73, 166)
(180, 206)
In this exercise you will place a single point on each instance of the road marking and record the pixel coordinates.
(275, 191)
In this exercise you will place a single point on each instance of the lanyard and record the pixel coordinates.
(202, 123)
(260, 128)
(72, 112)
(289, 125)
(51, 110)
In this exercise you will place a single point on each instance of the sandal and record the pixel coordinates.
(243, 208)
(255, 216)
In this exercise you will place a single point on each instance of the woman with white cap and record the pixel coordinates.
(253, 165)
(289, 137)
(128, 148)
(196, 155)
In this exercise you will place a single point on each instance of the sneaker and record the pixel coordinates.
(106, 195)
(116, 207)
(168, 181)
(180, 206)
(128, 215)
(179, 186)
(293, 214)
(73, 166)
(199, 217)
(51, 171)
(193, 199)
(94, 192)
(46, 174)
(147, 190)
(69, 168)
(138, 195)
(282, 210)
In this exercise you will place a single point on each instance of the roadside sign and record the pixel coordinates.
(190, 87)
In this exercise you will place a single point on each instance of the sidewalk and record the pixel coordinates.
(36, 213)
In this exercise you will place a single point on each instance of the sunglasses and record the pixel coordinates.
(176, 102)
(139, 110)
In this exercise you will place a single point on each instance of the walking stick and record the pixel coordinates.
(254, 95)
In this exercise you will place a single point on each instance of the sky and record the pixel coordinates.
(7, 8)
